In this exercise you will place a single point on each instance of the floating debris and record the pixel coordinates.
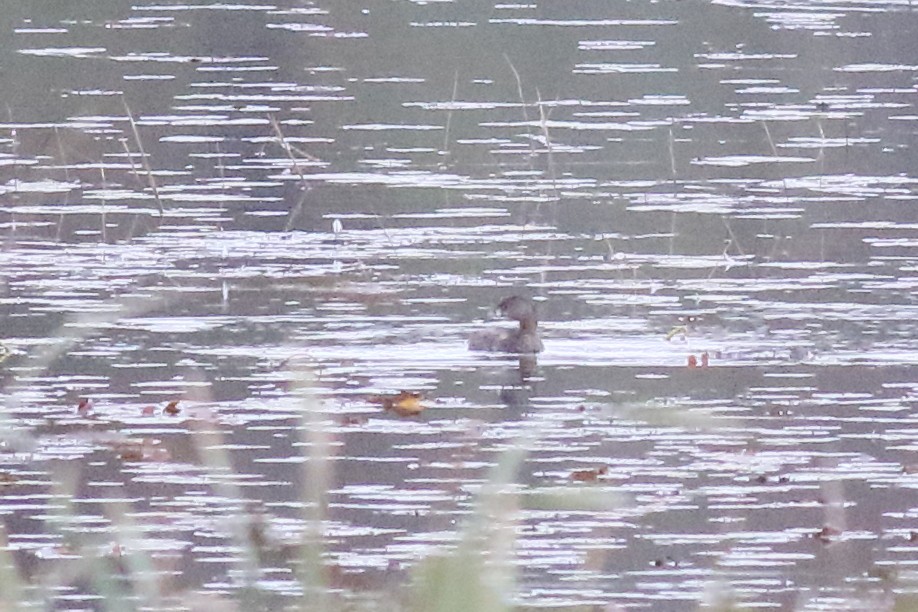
(403, 403)
(84, 408)
(589, 475)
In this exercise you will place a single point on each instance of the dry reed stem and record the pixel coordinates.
(104, 203)
(519, 90)
(289, 149)
(543, 125)
(151, 180)
(774, 151)
(449, 113)
(672, 154)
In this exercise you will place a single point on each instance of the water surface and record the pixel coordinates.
(202, 196)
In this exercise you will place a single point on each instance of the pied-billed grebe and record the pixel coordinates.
(523, 340)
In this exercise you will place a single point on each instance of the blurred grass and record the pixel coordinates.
(313, 573)
(475, 574)
(12, 585)
(479, 573)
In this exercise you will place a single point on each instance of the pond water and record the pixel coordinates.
(196, 197)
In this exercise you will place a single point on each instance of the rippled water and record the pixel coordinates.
(201, 195)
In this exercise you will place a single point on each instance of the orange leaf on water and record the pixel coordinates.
(403, 403)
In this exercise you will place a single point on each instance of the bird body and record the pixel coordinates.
(523, 340)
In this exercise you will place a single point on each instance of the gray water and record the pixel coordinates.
(172, 175)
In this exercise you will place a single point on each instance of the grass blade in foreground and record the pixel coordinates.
(12, 589)
(313, 574)
(478, 575)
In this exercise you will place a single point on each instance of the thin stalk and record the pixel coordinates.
(672, 233)
(288, 148)
(63, 156)
(449, 113)
(132, 231)
(143, 159)
(543, 125)
(774, 151)
(221, 169)
(61, 152)
(291, 218)
(672, 154)
(821, 158)
(14, 149)
(104, 204)
(519, 90)
(735, 241)
(552, 174)
(771, 142)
